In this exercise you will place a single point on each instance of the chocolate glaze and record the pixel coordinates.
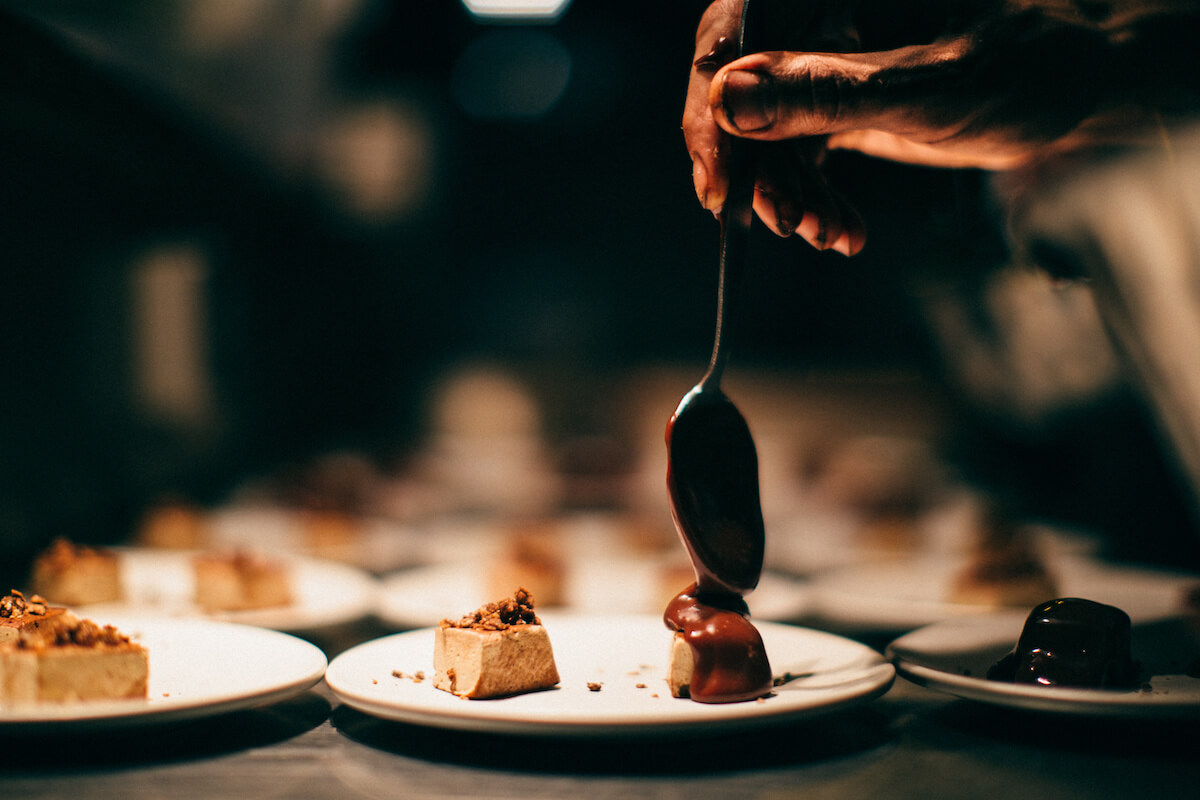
(729, 661)
(1072, 642)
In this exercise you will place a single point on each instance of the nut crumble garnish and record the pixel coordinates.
(593, 686)
(15, 605)
(416, 677)
(81, 632)
(499, 616)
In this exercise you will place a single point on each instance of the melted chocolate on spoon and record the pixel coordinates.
(712, 478)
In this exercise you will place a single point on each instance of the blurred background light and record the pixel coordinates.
(546, 10)
(511, 73)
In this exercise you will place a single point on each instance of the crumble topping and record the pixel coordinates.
(14, 605)
(499, 616)
(69, 630)
(62, 554)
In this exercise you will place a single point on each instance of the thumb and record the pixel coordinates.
(784, 95)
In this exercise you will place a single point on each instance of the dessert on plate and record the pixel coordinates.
(532, 557)
(50, 655)
(1004, 570)
(1072, 642)
(174, 526)
(240, 581)
(499, 650)
(75, 575)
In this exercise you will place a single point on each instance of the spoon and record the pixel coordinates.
(712, 464)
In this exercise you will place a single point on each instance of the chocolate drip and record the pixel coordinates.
(712, 480)
(729, 660)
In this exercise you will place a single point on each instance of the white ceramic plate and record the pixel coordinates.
(618, 652)
(162, 582)
(907, 594)
(198, 668)
(426, 595)
(953, 657)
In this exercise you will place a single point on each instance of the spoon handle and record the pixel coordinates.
(736, 219)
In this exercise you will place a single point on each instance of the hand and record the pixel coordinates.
(992, 84)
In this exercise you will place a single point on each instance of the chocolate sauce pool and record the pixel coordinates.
(712, 482)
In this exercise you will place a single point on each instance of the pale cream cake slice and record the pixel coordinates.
(534, 558)
(499, 650)
(1005, 570)
(240, 581)
(76, 575)
(63, 659)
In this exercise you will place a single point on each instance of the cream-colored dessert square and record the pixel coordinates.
(73, 575)
(65, 659)
(535, 560)
(478, 664)
(71, 673)
(240, 582)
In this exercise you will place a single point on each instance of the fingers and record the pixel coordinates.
(788, 95)
(706, 141)
(793, 196)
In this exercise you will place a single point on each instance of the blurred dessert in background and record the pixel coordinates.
(330, 533)
(486, 451)
(532, 555)
(885, 483)
(1005, 568)
(174, 525)
(73, 574)
(240, 581)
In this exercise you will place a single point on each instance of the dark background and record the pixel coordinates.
(568, 244)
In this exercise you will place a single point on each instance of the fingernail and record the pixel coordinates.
(747, 98)
(700, 180)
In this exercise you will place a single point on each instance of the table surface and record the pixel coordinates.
(911, 742)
